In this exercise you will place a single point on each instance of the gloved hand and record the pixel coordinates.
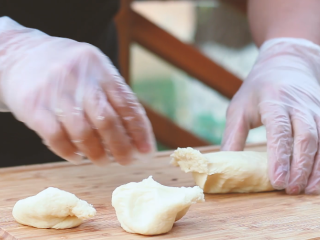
(283, 93)
(71, 95)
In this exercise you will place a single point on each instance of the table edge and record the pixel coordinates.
(161, 154)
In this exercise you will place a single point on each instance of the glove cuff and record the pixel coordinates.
(294, 41)
(7, 24)
(301, 53)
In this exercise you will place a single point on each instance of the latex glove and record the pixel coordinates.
(71, 95)
(283, 93)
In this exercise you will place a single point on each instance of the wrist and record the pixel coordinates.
(14, 45)
(7, 24)
(290, 53)
(9, 30)
(299, 42)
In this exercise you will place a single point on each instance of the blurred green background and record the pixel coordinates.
(217, 30)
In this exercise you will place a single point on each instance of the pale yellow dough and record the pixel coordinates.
(225, 172)
(150, 208)
(52, 208)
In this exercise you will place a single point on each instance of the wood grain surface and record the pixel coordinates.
(271, 215)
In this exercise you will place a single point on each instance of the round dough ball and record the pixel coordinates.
(52, 208)
(150, 208)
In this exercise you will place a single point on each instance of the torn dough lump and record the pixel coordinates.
(52, 208)
(150, 208)
(225, 172)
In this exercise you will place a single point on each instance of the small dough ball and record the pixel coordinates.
(52, 208)
(225, 172)
(150, 208)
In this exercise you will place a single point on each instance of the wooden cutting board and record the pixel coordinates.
(229, 216)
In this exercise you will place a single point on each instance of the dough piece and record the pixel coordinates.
(150, 208)
(225, 172)
(52, 208)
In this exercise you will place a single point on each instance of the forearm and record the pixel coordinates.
(6, 25)
(286, 18)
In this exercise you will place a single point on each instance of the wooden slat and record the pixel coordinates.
(123, 22)
(183, 56)
(170, 134)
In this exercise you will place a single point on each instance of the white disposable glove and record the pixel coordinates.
(283, 93)
(71, 95)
